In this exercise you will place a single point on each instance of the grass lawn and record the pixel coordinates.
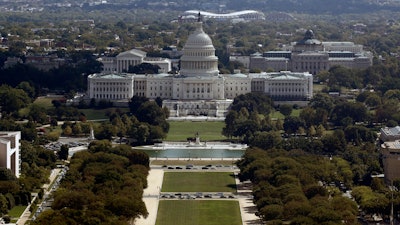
(198, 212)
(198, 182)
(278, 115)
(318, 87)
(208, 131)
(46, 101)
(17, 211)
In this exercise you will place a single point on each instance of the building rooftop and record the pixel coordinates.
(391, 131)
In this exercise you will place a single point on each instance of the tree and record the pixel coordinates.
(136, 102)
(11, 100)
(63, 152)
(230, 123)
(292, 124)
(38, 114)
(285, 109)
(106, 131)
(67, 131)
(323, 101)
(144, 68)
(266, 140)
(3, 205)
(356, 111)
(28, 88)
(253, 102)
(76, 129)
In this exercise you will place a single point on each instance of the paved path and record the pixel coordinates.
(151, 195)
(247, 207)
(151, 199)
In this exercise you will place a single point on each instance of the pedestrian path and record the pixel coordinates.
(247, 208)
(151, 196)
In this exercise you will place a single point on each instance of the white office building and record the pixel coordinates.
(10, 151)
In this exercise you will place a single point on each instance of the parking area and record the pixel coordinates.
(194, 167)
(197, 195)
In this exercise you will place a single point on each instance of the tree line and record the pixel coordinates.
(104, 185)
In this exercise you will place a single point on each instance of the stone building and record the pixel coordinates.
(10, 151)
(312, 55)
(198, 88)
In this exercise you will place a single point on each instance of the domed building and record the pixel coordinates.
(199, 55)
(312, 55)
(198, 88)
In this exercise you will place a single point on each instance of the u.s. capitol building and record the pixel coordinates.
(199, 88)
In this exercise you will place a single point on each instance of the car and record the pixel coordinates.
(231, 196)
(222, 196)
(204, 168)
(178, 168)
(218, 165)
(208, 196)
(164, 166)
(171, 168)
(189, 165)
(208, 166)
(188, 168)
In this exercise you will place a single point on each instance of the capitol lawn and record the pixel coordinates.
(208, 131)
(198, 212)
(198, 182)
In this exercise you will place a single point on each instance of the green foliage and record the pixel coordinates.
(285, 109)
(103, 185)
(144, 68)
(63, 152)
(12, 100)
(243, 119)
(3, 205)
(253, 102)
(285, 187)
(356, 111)
(266, 140)
(36, 163)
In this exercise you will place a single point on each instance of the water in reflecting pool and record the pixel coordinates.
(195, 153)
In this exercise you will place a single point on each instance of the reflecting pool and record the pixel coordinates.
(194, 153)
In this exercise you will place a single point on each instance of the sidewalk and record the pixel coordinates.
(247, 208)
(151, 196)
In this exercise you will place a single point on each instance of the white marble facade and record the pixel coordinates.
(198, 89)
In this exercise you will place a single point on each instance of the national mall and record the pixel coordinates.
(198, 88)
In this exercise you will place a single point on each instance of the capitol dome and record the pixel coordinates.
(198, 59)
(199, 39)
